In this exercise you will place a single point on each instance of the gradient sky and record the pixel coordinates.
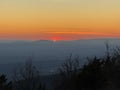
(59, 19)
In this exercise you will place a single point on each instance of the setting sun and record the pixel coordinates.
(54, 39)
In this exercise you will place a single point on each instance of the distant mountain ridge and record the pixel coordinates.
(49, 54)
(30, 41)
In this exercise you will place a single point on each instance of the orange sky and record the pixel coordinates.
(59, 19)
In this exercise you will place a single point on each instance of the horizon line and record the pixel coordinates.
(59, 40)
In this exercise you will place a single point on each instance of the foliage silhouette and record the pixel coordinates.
(27, 78)
(4, 85)
(96, 74)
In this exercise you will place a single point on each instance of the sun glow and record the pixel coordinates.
(55, 39)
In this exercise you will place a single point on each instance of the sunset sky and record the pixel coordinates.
(59, 19)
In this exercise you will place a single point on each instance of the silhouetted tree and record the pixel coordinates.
(4, 85)
(27, 78)
(91, 76)
(67, 74)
